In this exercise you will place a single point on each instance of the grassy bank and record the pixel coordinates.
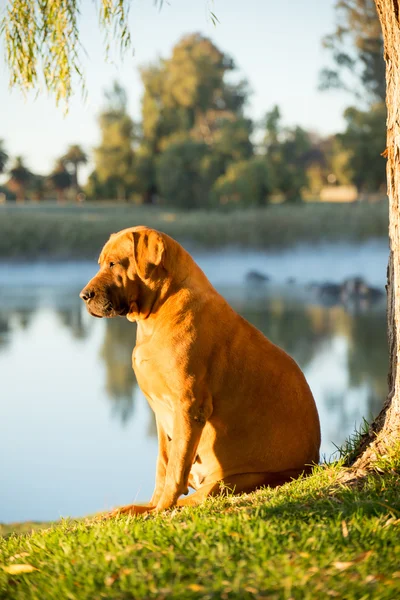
(51, 231)
(309, 539)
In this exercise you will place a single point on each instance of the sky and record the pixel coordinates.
(276, 46)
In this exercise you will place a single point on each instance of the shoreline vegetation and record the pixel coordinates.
(314, 537)
(69, 231)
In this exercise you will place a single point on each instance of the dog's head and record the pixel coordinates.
(132, 272)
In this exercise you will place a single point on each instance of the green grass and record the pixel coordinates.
(69, 231)
(312, 538)
(348, 451)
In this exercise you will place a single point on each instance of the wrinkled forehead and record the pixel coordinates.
(119, 246)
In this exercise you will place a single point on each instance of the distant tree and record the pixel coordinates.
(231, 138)
(189, 90)
(37, 187)
(338, 160)
(185, 174)
(3, 157)
(357, 49)
(188, 96)
(144, 175)
(96, 190)
(273, 127)
(365, 140)
(20, 177)
(289, 153)
(114, 158)
(75, 157)
(60, 180)
(245, 183)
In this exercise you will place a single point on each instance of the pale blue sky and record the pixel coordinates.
(276, 45)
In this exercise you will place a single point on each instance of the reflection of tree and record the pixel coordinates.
(116, 351)
(24, 316)
(288, 327)
(368, 357)
(21, 317)
(4, 329)
(72, 318)
(304, 331)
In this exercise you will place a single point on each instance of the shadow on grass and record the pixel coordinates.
(321, 496)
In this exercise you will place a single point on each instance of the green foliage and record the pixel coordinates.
(192, 129)
(272, 126)
(188, 105)
(20, 176)
(184, 174)
(290, 152)
(231, 139)
(365, 140)
(3, 157)
(189, 88)
(42, 41)
(37, 187)
(114, 158)
(19, 172)
(144, 174)
(60, 179)
(338, 161)
(312, 538)
(245, 183)
(194, 74)
(73, 158)
(357, 49)
(99, 190)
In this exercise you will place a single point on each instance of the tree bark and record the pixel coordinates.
(384, 434)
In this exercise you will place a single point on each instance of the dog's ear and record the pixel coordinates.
(149, 251)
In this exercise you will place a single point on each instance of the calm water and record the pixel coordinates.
(76, 434)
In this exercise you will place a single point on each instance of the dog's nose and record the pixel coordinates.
(86, 294)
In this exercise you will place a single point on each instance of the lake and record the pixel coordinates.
(76, 434)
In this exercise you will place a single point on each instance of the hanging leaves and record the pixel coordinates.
(42, 41)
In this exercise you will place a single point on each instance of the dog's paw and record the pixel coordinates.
(130, 509)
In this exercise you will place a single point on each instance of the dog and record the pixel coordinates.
(232, 409)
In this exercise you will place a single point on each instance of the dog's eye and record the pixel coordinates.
(111, 265)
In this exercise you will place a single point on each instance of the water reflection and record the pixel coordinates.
(304, 330)
(72, 318)
(350, 350)
(4, 330)
(64, 373)
(116, 352)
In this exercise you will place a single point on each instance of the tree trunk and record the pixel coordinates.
(75, 176)
(60, 195)
(384, 434)
(121, 192)
(20, 194)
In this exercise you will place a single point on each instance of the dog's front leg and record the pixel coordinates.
(162, 462)
(189, 420)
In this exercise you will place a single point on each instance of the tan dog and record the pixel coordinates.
(230, 406)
